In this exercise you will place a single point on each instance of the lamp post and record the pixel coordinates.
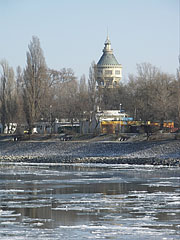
(50, 118)
(120, 105)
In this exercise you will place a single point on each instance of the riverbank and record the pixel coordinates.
(143, 152)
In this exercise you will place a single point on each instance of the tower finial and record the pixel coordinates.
(107, 34)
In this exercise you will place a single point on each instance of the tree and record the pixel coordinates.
(92, 86)
(163, 96)
(147, 74)
(7, 94)
(83, 99)
(112, 97)
(68, 96)
(19, 95)
(83, 89)
(71, 108)
(35, 83)
(178, 93)
(63, 84)
(151, 94)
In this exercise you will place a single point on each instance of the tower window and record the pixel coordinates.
(117, 72)
(108, 72)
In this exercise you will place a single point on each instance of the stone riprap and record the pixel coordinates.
(154, 153)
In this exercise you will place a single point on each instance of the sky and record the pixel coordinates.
(72, 32)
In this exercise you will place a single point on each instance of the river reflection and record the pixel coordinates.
(89, 202)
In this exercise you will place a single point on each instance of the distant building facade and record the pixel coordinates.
(108, 71)
(106, 121)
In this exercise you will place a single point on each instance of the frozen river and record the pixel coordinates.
(86, 201)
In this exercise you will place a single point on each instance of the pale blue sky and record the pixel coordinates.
(72, 32)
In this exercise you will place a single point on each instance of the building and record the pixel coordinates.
(56, 127)
(108, 71)
(106, 121)
(113, 121)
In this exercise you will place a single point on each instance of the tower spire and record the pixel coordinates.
(107, 34)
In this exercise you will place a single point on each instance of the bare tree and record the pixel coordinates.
(83, 98)
(61, 76)
(7, 94)
(35, 83)
(19, 95)
(92, 86)
(178, 93)
(151, 94)
(63, 84)
(68, 100)
(19, 80)
(163, 96)
(83, 89)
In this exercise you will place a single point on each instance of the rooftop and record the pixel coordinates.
(108, 57)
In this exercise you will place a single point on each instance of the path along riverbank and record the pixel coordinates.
(143, 152)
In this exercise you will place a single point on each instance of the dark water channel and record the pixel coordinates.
(89, 202)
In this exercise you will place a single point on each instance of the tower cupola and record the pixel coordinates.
(107, 46)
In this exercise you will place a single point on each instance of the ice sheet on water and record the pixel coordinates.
(174, 203)
(38, 224)
(9, 222)
(5, 212)
(173, 197)
(8, 216)
(163, 184)
(153, 194)
(11, 191)
(103, 231)
(92, 180)
(21, 205)
(72, 208)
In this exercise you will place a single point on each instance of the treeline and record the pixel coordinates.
(38, 93)
(150, 95)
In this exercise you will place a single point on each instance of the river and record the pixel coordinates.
(89, 201)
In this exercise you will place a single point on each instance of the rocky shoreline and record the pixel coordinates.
(165, 153)
(99, 160)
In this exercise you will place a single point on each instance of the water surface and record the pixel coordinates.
(85, 201)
